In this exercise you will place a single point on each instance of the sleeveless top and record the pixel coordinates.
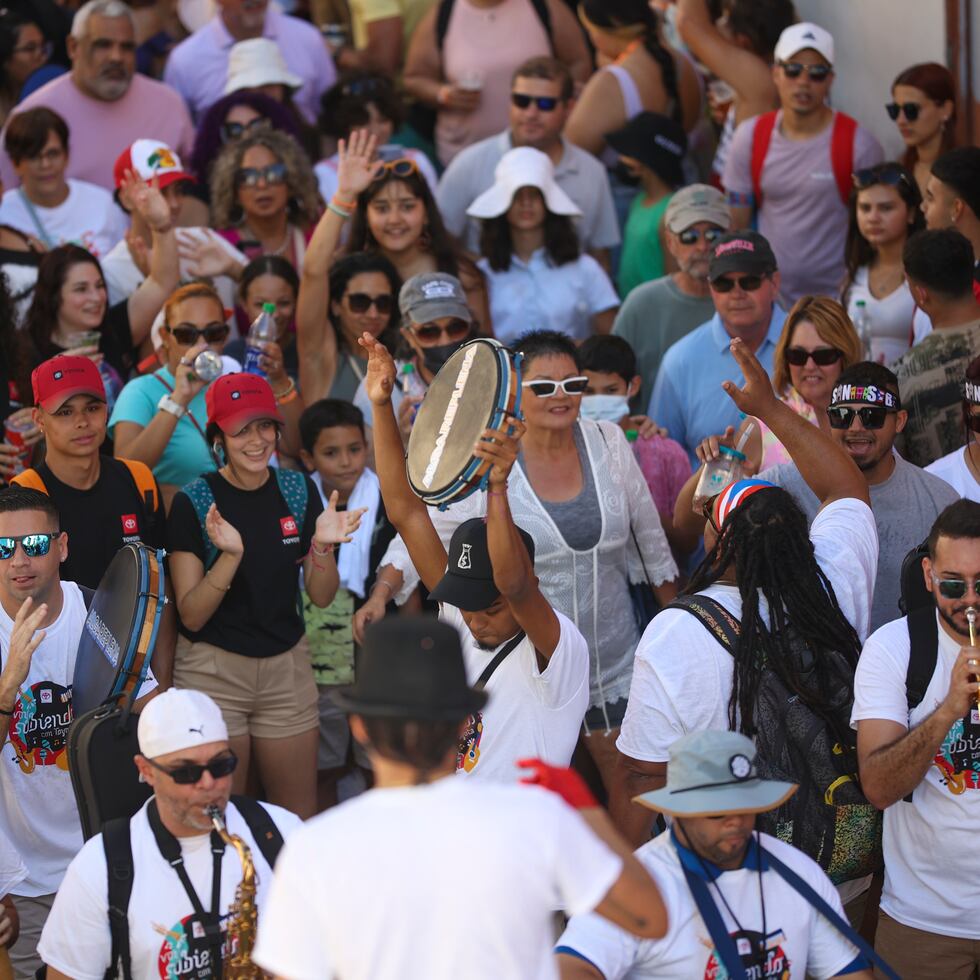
(486, 44)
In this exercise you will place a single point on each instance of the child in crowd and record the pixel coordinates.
(335, 451)
(610, 365)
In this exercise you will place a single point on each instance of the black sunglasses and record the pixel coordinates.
(235, 130)
(275, 173)
(798, 356)
(816, 73)
(34, 545)
(749, 283)
(453, 331)
(911, 110)
(190, 775)
(546, 103)
(889, 174)
(186, 334)
(362, 302)
(872, 416)
(690, 235)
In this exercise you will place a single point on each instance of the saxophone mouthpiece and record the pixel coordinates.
(214, 814)
(971, 615)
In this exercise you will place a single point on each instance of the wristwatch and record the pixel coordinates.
(167, 404)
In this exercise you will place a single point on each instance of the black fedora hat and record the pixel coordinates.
(411, 667)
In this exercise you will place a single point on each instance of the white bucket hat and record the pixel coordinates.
(522, 167)
(256, 62)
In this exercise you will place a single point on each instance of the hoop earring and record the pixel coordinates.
(218, 452)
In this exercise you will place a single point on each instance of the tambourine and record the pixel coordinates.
(120, 629)
(478, 388)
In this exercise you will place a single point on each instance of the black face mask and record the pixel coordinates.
(434, 357)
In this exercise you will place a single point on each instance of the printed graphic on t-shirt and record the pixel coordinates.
(184, 952)
(290, 530)
(958, 758)
(747, 943)
(130, 528)
(468, 753)
(38, 730)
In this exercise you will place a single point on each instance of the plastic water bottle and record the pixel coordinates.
(263, 330)
(862, 326)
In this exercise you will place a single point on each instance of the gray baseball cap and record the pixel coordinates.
(710, 773)
(432, 295)
(694, 203)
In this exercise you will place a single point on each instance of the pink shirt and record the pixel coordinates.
(666, 468)
(487, 44)
(773, 451)
(99, 131)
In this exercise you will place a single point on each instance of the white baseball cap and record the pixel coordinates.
(522, 167)
(256, 62)
(799, 37)
(179, 719)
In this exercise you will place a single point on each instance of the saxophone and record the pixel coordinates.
(243, 915)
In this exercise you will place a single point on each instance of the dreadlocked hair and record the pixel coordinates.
(768, 542)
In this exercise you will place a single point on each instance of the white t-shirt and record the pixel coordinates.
(682, 676)
(37, 806)
(12, 870)
(76, 938)
(450, 880)
(531, 714)
(932, 865)
(891, 316)
(800, 942)
(88, 217)
(953, 469)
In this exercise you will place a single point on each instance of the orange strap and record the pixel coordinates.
(141, 473)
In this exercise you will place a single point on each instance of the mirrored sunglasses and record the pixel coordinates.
(798, 356)
(362, 302)
(34, 545)
(189, 775)
(691, 235)
(275, 173)
(816, 73)
(546, 103)
(235, 130)
(953, 588)
(872, 416)
(546, 389)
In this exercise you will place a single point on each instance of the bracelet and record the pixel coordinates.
(290, 396)
(321, 554)
(380, 581)
(339, 211)
(9, 714)
(344, 205)
(497, 493)
(214, 585)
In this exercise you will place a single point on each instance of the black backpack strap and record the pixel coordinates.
(923, 646)
(805, 890)
(544, 15)
(500, 657)
(119, 872)
(264, 830)
(443, 14)
(715, 618)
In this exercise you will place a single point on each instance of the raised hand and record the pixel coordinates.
(357, 166)
(756, 396)
(207, 257)
(501, 449)
(336, 527)
(379, 381)
(25, 637)
(147, 201)
(222, 534)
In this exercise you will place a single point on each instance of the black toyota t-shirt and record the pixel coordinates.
(258, 616)
(102, 519)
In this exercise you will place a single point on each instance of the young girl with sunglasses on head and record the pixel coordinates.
(961, 468)
(884, 210)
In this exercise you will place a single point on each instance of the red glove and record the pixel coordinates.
(567, 783)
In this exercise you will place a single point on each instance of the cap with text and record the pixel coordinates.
(234, 400)
(431, 296)
(799, 37)
(150, 159)
(694, 203)
(743, 251)
(62, 377)
(179, 719)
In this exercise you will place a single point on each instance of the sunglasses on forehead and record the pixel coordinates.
(403, 167)
(235, 130)
(187, 334)
(34, 545)
(891, 175)
(275, 173)
(871, 416)
(546, 103)
(798, 356)
(362, 302)
(816, 73)
(191, 774)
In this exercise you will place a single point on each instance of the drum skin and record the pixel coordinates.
(478, 388)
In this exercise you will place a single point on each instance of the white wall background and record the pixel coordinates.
(874, 40)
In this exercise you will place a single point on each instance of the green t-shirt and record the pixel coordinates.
(643, 258)
(330, 634)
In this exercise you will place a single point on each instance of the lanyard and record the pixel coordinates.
(170, 849)
(38, 224)
(197, 425)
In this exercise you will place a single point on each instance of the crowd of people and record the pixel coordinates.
(686, 688)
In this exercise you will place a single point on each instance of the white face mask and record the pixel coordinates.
(604, 408)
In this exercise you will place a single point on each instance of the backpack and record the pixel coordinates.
(119, 871)
(841, 152)
(828, 818)
(446, 11)
(141, 473)
(920, 611)
(292, 486)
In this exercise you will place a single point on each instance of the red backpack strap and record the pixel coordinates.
(761, 136)
(842, 153)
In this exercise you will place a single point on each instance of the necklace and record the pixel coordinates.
(276, 251)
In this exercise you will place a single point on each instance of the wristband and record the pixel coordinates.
(9, 714)
(343, 205)
(567, 783)
(339, 211)
(321, 554)
(380, 581)
(291, 395)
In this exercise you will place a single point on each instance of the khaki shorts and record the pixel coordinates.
(918, 955)
(265, 697)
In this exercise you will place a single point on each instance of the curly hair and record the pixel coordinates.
(832, 324)
(13, 350)
(345, 106)
(304, 198)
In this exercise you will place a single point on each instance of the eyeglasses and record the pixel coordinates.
(403, 167)
(889, 174)
(691, 235)
(747, 283)
(546, 103)
(911, 110)
(547, 389)
(798, 356)
(954, 588)
(34, 545)
(872, 416)
(34, 48)
(191, 774)
(362, 302)
(231, 131)
(816, 73)
(275, 173)
(453, 331)
(186, 333)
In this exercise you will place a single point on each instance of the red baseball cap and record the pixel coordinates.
(61, 377)
(234, 400)
(149, 159)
